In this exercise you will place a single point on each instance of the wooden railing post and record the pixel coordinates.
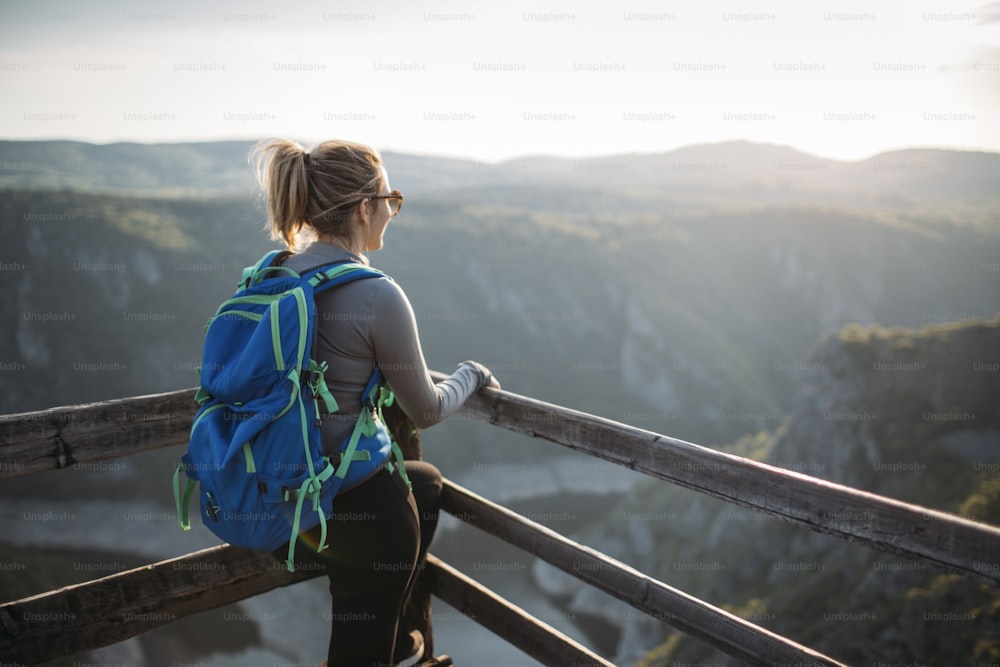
(418, 613)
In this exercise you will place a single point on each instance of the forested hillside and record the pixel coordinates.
(724, 294)
(910, 414)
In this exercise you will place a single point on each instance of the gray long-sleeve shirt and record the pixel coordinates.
(371, 320)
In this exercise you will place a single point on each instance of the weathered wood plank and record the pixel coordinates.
(113, 608)
(511, 623)
(943, 540)
(119, 606)
(418, 612)
(33, 442)
(723, 630)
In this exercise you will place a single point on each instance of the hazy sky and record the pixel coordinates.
(492, 80)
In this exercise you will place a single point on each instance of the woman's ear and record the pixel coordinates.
(363, 212)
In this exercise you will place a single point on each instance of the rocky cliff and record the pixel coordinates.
(910, 414)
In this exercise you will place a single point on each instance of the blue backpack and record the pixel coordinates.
(255, 445)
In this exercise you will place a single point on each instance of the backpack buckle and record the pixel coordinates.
(211, 508)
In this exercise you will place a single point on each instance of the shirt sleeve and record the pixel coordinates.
(396, 343)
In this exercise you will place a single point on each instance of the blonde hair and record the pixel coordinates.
(317, 189)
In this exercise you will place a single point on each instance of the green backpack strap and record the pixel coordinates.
(250, 272)
(311, 488)
(183, 503)
(317, 382)
(386, 397)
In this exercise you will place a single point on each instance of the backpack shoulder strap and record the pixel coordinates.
(320, 278)
(265, 262)
(341, 273)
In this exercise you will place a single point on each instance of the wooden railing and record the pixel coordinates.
(122, 605)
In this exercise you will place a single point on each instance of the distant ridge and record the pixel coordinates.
(744, 170)
(169, 168)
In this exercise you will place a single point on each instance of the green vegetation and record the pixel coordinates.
(984, 504)
(846, 601)
(734, 308)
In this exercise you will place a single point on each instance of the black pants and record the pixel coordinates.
(378, 535)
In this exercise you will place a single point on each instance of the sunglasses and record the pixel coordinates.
(395, 201)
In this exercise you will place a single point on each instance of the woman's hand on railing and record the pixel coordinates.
(486, 378)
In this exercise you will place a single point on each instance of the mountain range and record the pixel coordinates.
(708, 293)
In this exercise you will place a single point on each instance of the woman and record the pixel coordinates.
(338, 196)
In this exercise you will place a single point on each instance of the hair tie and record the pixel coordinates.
(305, 157)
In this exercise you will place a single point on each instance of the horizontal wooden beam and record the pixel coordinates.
(60, 437)
(940, 539)
(511, 623)
(725, 631)
(119, 606)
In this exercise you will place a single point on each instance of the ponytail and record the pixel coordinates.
(281, 172)
(316, 190)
